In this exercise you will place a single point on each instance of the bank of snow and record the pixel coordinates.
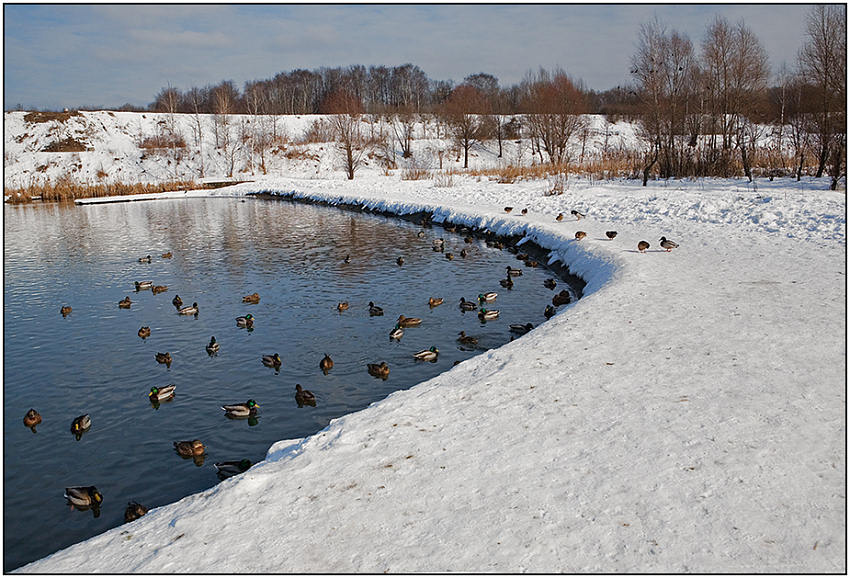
(686, 415)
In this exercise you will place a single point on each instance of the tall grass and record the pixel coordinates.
(66, 190)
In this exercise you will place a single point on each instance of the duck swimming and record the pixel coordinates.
(163, 358)
(562, 298)
(145, 259)
(427, 354)
(156, 289)
(549, 312)
(408, 321)
(434, 301)
(189, 309)
(400, 261)
(83, 496)
(304, 396)
(80, 425)
(507, 282)
(272, 360)
(212, 346)
(32, 419)
(249, 408)
(488, 314)
(467, 339)
(134, 511)
(144, 332)
(125, 303)
(467, 305)
(549, 283)
(513, 272)
(140, 285)
(164, 393)
(65, 310)
(342, 306)
(381, 370)
(326, 364)
(188, 449)
(374, 310)
(252, 298)
(167, 255)
(487, 297)
(396, 332)
(520, 328)
(246, 321)
(177, 302)
(232, 468)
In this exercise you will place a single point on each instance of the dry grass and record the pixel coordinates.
(162, 141)
(36, 116)
(66, 190)
(67, 145)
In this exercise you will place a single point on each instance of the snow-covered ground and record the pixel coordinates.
(686, 415)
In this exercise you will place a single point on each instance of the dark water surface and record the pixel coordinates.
(93, 361)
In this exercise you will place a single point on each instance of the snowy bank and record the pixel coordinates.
(686, 415)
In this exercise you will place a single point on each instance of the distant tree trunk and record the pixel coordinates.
(648, 168)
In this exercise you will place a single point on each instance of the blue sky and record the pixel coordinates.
(70, 55)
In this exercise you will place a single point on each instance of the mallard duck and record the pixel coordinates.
(511, 272)
(450, 256)
(508, 209)
(549, 283)
(342, 306)
(522, 256)
(246, 321)
(272, 360)
(507, 282)
(347, 259)
(163, 358)
(252, 298)
(159, 289)
(164, 393)
(228, 469)
(400, 261)
(524, 212)
(549, 312)
(580, 235)
(144, 332)
(84, 496)
(577, 215)
(249, 408)
(521, 329)
(467, 339)
(438, 243)
(434, 301)
(560, 217)
(32, 419)
(141, 285)
(531, 263)
(396, 332)
(427, 354)
(177, 302)
(643, 246)
(562, 298)
(374, 310)
(326, 364)
(134, 511)
(610, 234)
(145, 259)
(81, 424)
(421, 234)
(467, 239)
(212, 346)
(464, 253)
(487, 297)
(166, 255)
(408, 321)
(304, 396)
(189, 309)
(381, 370)
(467, 305)
(488, 314)
(668, 244)
(125, 303)
(187, 449)
(65, 310)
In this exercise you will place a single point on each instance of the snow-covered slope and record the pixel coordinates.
(686, 415)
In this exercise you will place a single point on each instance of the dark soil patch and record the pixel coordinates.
(68, 145)
(48, 116)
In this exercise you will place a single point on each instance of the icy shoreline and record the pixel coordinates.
(686, 415)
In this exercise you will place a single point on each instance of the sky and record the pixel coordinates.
(65, 55)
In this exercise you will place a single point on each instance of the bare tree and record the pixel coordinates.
(463, 112)
(346, 124)
(553, 106)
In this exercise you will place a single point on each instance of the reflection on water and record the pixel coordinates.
(93, 362)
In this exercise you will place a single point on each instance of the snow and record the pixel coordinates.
(686, 415)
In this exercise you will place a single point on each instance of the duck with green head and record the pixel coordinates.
(232, 468)
(427, 354)
(247, 409)
(189, 309)
(246, 321)
(164, 393)
(396, 332)
(488, 314)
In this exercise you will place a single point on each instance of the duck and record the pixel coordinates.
(522, 256)
(144, 332)
(549, 312)
(304, 396)
(467, 339)
(611, 234)
(450, 256)
(140, 285)
(167, 255)
(374, 310)
(579, 216)
(146, 259)
(249, 408)
(434, 301)
(159, 289)
(427, 354)
(549, 283)
(560, 217)
(381, 370)
(272, 360)
(520, 328)
(467, 305)
(438, 243)
(252, 298)
(347, 259)
(342, 306)
(508, 209)
(125, 303)
(487, 297)
(643, 246)
(246, 321)
(32, 419)
(187, 449)
(524, 212)
(562, 298)
(513, 272)
(189, 309)
(421, 234)
(232, 468)
(80, 425)
(467, 239)
(507, 282)
(464, 253)
(163, 358)
(580, 235)
(396, 332)
(84, 496)
(408, 321)
(400, 261)
(164, 393)
(65, 310)
(488, 314)
(177, 302)
(134, 511)
(213, 346)
(668, 244)
(531, 263)
(326, 364)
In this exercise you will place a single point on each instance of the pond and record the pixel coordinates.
(293, 255)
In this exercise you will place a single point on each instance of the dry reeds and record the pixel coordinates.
(66, 190)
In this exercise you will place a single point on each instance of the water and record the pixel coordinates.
(93, 361)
